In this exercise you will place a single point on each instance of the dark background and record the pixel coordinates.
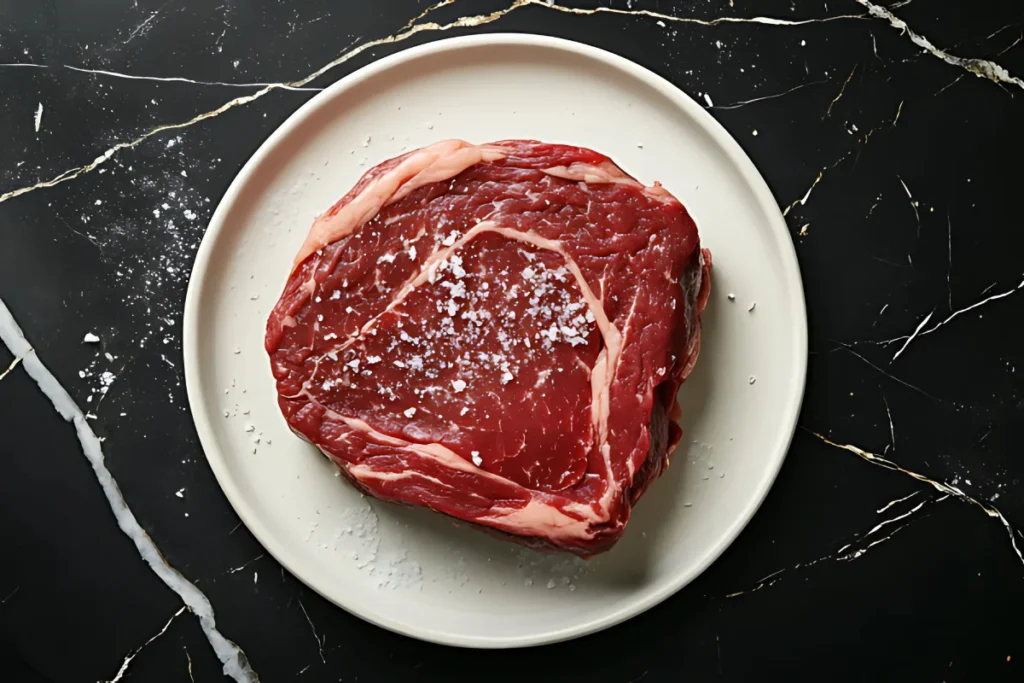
(916, 212)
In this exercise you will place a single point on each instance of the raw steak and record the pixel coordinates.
(496, 332)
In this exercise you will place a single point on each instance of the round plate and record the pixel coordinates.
(417, 572)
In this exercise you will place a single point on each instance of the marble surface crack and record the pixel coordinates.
(318, 638)
(913, 203)
(145, 22)
(848, 557)
(839, 95)
(425, 12)
(916, 332)
(743, 103)
(851, 351)
(949, 268)
(807, 195)
(949, 489)
(897, 501)
(768, 21)
(14, 363)
(866, 541)
(134, 653)
(982, 68)
(411, 29)
(892, 427)
(234, 661)
(10, 595)
(945, 321)
(182, 79)
(73, 173)
(158, 79)
(240, 567)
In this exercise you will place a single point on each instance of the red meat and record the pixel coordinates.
(496, 332)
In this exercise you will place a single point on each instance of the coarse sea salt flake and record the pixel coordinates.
(458, 385)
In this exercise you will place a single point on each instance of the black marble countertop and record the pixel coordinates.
(890, 546)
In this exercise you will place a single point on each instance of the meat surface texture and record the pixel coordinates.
(496, 332)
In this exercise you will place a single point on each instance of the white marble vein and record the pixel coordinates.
(182, 79)
(916, 332)
(942, 487)
(907, 338)
(743, 103)
(849, 349)
(766, 21)
(913, 202)
(14, 363)
(897, 501)
(949, 268)
(881, 525)
(134, 653)
(807, 195)
(231, 656)
(982, 68)
(319, 639)
(845, 554)
(159, 79)
(411, 29)
(892, 427)
(839, 95)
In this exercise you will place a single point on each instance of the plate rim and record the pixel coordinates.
(734, 152)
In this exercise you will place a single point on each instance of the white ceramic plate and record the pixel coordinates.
(419, 573)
